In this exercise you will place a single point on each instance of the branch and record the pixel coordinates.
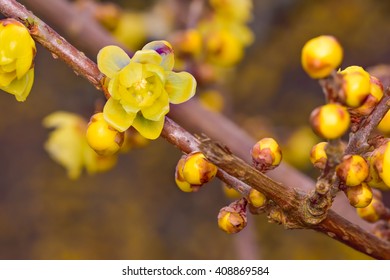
(289, 200)
(358, 142)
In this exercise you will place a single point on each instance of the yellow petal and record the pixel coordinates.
(111, 59)
(24, 63)
(6, 79)
(147, 57)
(159, 108)
(116, 116)
(148, 129)
(180, 87)
(152, 69)
(131, 74)
(10, 67)
(164, 49)
(61, 119)
(21, 87)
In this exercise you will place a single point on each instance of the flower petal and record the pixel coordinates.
(180, 87)
(111, 59)
(164, 49)
(24, 63)
(147, 128)
(21, 87)
(131, 74)
(159, 108)
(116, 116)
(7, 78)
(147, 57)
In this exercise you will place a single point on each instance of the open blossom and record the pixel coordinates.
(67, 145)
(142, 87)
(17, 51)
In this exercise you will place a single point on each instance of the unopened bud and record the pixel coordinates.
(197, 170)
(266, 154)
(256, 198)
(352, 170)
(179, 178)
(232, 218)
(372, 212)
(359, 196)
(330, 121)
(318, 156)
(103, 138)
(320, 56)
(356, 86)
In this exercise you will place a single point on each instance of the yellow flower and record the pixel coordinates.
(67, 145)
(17, 51)
(234, 10)
(224, 40)
(142, 87)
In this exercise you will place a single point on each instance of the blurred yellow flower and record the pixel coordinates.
(17, 51)
(67, 145)
(142, 87)
(234, 10)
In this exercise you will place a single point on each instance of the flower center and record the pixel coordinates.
(140, 85)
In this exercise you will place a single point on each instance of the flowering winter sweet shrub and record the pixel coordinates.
(142, 87)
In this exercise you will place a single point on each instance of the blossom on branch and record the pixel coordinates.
(142, 87)
(17, 51)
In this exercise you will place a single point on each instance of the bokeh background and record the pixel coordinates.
(135, 211)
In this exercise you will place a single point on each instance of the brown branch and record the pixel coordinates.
(293, 204)
(358, 142)
(289, 200)
(53, 42)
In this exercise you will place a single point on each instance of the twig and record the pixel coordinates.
(358, 141)
(288, 199)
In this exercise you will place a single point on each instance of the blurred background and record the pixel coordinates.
(135, 210)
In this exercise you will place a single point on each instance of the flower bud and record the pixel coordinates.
(352, 170)
(101, 137)
(230, 192)
(372, 212)
(320, 56)
(197, 170)
(187, 43)
(384, 125)
(373, 179)
(232, 218)
(359, 196)
(266, 154)
(256, 198)
(179, 178)
(318, 156)
(376, 94)
(381, 162)
(330, 121)
(356, 86)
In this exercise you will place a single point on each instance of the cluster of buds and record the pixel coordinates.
(352, 95)
(193, 171)
(354, 91)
